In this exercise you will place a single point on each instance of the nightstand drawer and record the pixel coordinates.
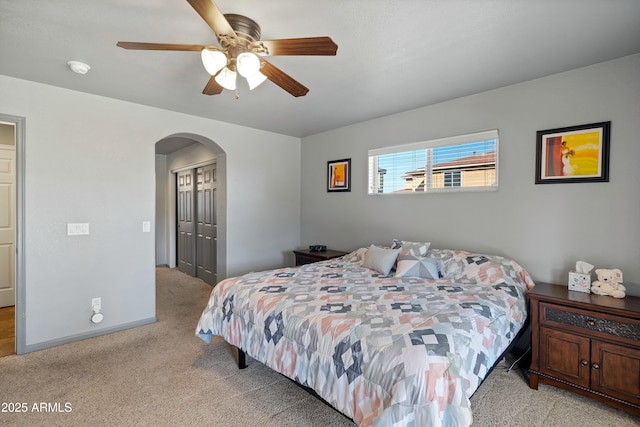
(599, 324)
(302, 260)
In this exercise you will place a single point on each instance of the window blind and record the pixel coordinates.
(460, 163)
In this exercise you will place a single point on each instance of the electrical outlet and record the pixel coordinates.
(96, 304)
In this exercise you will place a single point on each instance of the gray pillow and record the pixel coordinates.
(411, 266)
(380, 259)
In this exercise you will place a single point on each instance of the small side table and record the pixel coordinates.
(305, 256)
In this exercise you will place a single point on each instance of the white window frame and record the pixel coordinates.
(373, 176)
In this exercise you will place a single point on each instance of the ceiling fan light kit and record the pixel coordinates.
(242, 51)
(247, 64)
(255, 80)
(213, 60)
(226, 78)
(219, 65)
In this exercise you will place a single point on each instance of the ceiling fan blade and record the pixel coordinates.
(282, 79)
(212, 87)
(300, 46)
(160, 46)
(208, 10)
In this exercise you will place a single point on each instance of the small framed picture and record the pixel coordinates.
(339, 175)
(573, 154)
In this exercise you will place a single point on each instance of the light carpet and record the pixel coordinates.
(163, 375)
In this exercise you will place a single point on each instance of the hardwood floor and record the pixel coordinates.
(7, 331)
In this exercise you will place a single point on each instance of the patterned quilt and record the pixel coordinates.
(383, 350)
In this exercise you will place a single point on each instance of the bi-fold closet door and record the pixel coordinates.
(196, 213)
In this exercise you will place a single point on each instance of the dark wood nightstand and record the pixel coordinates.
(586, 343)
(305, 256)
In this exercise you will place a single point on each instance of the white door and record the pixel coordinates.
(7, 216)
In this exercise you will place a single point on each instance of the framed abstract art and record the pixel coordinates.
(339, 175)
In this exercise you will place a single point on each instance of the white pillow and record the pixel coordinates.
(379, 259)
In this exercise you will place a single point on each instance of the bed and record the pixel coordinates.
(401, 342)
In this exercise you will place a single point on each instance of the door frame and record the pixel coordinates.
(220, 157)
(21, 292)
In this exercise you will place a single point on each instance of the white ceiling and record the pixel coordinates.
(392, 56)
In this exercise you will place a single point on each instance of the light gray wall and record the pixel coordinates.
(161, 209)
(546, 228)
(189, 156)
(92, 159)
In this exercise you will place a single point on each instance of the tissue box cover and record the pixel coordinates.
(579, 282)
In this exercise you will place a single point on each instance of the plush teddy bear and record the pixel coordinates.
(609, 283)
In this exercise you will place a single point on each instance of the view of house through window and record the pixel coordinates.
(460, 163)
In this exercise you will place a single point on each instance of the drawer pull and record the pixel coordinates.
(584, 362)
(591, 323)
(595, 366)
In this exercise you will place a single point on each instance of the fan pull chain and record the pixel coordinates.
(237, 96)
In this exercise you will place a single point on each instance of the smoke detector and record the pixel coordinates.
(78, 67)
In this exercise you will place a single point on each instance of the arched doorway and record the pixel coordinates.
(176, 154)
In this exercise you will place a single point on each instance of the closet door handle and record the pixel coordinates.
(595, 366)
(584, 362)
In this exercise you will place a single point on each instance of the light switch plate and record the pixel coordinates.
(146, 226)
(77, 229)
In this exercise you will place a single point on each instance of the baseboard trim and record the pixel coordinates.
(72, 338)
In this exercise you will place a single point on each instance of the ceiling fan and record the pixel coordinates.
(242, 52)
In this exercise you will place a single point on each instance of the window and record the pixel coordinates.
(460, 163)
(452, 179)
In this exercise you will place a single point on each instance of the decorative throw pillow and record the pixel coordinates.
(418, 249)
(411, 266)
(379, 259)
